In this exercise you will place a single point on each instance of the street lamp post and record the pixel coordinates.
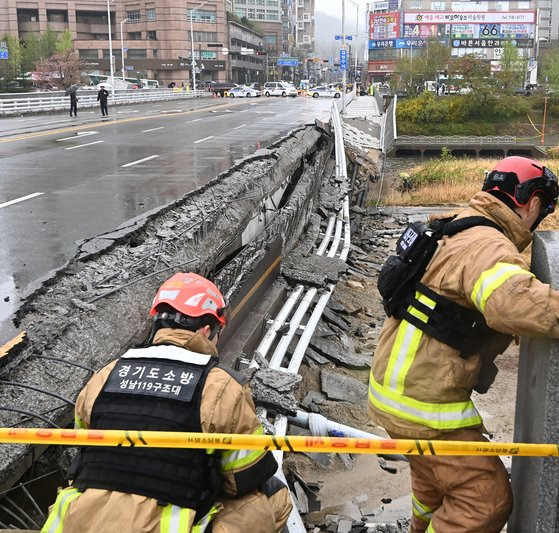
(355, 53)
(122, 44)
(344, 75)
(111, 47)
(192, 43)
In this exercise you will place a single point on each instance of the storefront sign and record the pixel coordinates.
(491, 43)
(384, 25)
(441, 17)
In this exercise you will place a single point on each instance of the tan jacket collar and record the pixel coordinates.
(190, 340)
(485, 204)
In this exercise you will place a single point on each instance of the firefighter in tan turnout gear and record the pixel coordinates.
(174, 384)
(471, 297)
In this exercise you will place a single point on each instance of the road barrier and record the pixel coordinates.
(223, 441)
(56, 101)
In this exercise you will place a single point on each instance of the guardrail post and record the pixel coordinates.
(535, 480)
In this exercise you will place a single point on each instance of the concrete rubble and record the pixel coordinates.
(70, 318)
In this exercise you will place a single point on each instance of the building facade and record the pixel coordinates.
(304, 25)
(247, 55)
(155, 34)
(479, 28)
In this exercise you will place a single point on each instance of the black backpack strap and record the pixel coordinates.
(457, 225)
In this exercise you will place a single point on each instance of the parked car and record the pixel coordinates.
(256, 86)
(279, 88)
(243, 92)
(221, 87)
(323, 90)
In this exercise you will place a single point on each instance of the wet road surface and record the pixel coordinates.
(63, 180)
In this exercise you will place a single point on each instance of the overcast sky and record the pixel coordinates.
(334, 9)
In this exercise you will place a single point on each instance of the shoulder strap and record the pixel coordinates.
(457, 225)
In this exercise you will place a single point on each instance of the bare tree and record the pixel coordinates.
(62, 70)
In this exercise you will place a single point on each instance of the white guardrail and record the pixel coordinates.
(11, 104)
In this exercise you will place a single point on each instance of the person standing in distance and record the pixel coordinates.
(102, 98)
(74, 104)
(175, 383)
(475, 295)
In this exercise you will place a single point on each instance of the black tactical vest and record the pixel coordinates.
(156, 394)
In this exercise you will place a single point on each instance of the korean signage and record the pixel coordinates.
(425, 31)
(4, 54)
(380, 6)
(384, 25)
(443, 17)
(288, 62)
(163, 380)
(491, 43)
(397, 43)
(343, 58)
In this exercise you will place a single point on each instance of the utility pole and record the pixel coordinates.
(122, 44)
(111, 48)
(344, 75)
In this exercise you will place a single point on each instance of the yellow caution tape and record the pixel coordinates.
(222, 441)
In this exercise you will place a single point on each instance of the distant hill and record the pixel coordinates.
(327, 26)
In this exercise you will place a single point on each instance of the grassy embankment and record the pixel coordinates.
(450, 181)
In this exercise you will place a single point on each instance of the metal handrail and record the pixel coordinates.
(38, 102)
(455, 139)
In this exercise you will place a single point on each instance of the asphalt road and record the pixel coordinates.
(65, 179)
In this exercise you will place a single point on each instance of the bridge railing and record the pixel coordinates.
(455, 139)
(56, 101)
(389, 133)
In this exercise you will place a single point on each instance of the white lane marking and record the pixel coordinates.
(29, 196)
(79, 134)
(254, 103)
(229, 111)
(204, 139)
(172, 111)
(82, 145)
(154, 129)
(139, 161)
(195, 120)
(239, 127)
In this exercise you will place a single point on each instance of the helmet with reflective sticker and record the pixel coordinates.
(192, 295)
(520, 178)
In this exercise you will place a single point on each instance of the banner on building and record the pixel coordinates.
(397, 43)
(384, 25)
(445, 17)
(424, 31)
(491, 43)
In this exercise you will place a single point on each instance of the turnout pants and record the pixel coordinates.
(452, 494)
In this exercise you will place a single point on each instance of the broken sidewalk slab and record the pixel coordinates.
(273, 389)
(323, 459)
(315, 270)
(340, 350)
(333, 318)
(342, 388)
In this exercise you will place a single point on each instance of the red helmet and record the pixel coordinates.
(191, 295)
(520, 178)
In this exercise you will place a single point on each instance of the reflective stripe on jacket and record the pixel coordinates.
(420, 387)
(226, 407)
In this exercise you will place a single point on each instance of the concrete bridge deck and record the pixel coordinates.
(473, 146)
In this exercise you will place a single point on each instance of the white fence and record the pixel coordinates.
(56, 101)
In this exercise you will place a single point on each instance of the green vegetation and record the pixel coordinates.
(26, 55)
(477, 113)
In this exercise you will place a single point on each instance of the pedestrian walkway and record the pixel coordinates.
(362, 124)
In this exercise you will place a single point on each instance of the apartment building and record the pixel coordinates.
(267, 15)
(304, 25)
(467, 27)
(155, 33)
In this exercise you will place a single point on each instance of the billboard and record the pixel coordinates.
(397, 43)
(491, 43)
(424, 31)
(384, 25)
(487, 17)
